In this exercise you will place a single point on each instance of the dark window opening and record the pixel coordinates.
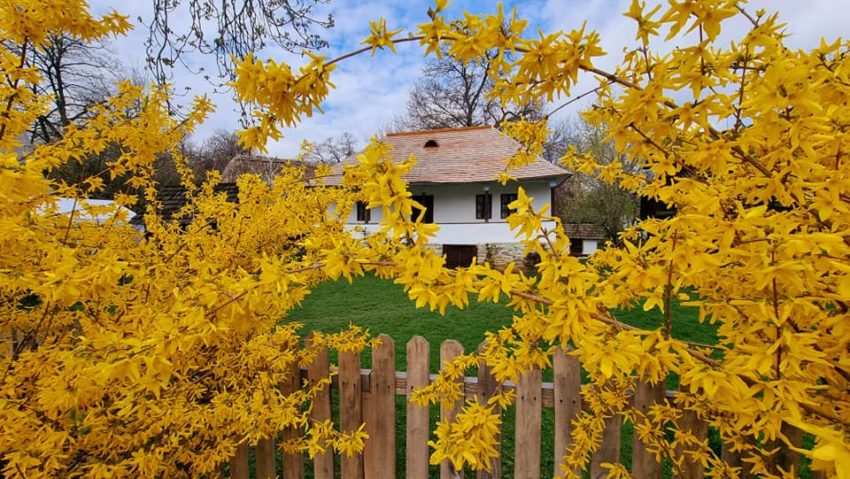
(364, 214)
(428, 202)
(459, 255)
(483, 206)
(507, 198)
(431, 144)
(576, 247)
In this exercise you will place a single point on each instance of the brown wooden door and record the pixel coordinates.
(459, 255)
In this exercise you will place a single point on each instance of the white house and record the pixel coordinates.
(454, 177)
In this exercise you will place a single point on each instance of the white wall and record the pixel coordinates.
(589, 246)
(454, 211)
(455, 203)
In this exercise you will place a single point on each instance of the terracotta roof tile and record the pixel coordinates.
(461, 155)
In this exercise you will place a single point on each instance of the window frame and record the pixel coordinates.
(364, 214)
(506, 199)
(484, 206)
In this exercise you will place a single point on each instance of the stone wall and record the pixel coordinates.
(499, 255)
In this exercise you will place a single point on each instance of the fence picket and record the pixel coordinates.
(567, 392)
(264, 459)
(735, 459)
(692, 469)
(486, 388)
(528, 416)
(293, 464)
(350, 411)
(382, 443)
(323, 463)
(643, 462)
(449, 350)
(368, 412)
(418, 351)
(609, 450)
(786, 458)
(239, 463)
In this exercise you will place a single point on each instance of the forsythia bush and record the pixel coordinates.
(146, 355)
(155, 356)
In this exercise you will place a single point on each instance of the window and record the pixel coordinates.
(576, 247)
(459, 255)
(428, 202)
(507, 198)
(483, 206)
(364, 214)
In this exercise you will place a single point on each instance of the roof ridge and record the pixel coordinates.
(440, 130)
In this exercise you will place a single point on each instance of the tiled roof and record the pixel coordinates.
(461, 155)
(584, 230)
(265, 166)
(174, 197)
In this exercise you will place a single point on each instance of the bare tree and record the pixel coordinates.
(453, 94)
(333, 149)
(591, 199)
(77, 75)
(561, 136)
(226, 29)
(214, 153)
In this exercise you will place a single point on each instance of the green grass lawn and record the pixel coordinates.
(383, 308)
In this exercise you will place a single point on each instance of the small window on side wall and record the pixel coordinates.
(507, 198)
(576, 247)
(364, 214)
(483, 206)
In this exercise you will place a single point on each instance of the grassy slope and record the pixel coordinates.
(383, 307)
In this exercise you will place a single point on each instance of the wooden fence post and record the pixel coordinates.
(350, 411)
(323, 463)
(692, 423)
(486, 388)
(449, 350)
(567, 392)
(264, 459)
(609, 450)
(644, 463)
(417, 416)
(293, 464)
(528, 415)
(381, 445)
(239, 463)
(368, 413)
(785, 458)
(735, 459)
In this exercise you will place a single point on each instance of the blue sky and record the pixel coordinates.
(371, 91)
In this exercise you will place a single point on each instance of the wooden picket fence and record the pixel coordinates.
(369, 396)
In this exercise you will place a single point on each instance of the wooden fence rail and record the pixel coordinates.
(368, 396)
